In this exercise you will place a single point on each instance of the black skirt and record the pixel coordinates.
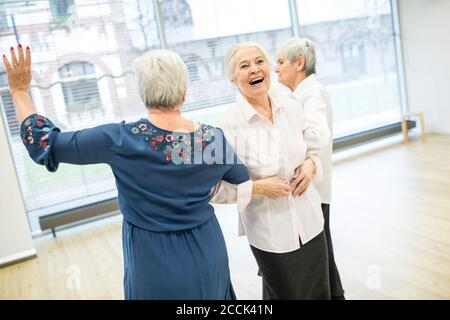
(298, 275)
(337, 291)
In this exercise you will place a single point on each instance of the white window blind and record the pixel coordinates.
(82, 55)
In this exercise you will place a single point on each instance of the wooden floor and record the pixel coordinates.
(390, 226)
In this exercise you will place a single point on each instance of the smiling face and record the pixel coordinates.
(289, 72)
(251, 72)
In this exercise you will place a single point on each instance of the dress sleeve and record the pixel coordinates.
(48, 146)
(236, 172)
(235, 187)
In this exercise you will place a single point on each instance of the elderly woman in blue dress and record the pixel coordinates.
(165, 167)
(296, 68)
(273, 137)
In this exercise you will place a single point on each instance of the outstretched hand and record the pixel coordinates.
(19, 69)
(18, 72)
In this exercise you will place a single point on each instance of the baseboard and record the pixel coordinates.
(18, 257)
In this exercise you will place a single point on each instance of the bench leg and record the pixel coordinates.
(405, 130)
(422, 127)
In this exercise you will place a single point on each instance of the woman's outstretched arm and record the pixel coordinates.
(45, 143)
(18, 71)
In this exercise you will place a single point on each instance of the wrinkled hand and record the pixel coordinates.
(303, 175)
(272, 187)
(18, 70)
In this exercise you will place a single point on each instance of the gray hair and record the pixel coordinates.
(230, 64)
(162, 79)
(300, 47)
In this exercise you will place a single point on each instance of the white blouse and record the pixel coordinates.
(274, 149)
(313, 97)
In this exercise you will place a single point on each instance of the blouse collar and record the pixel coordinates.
(249, 112)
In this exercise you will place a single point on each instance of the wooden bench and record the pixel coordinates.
(408, 116)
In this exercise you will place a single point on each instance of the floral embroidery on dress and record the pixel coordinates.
(174, 143)
(35, 131)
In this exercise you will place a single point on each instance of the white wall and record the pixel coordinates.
(15, 238)
(425, 36)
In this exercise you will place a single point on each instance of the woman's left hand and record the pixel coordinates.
(302, 177)
(18, 70)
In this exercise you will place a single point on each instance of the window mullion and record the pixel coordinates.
(160, 20)
(399, 56)
(295, 23)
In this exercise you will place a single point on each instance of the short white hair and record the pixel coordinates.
(300, 47)
(230, 64)
(162, 79)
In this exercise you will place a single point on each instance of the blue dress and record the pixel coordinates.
(173, 246)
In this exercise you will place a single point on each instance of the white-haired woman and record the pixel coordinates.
(273, 138)
(296, 68)
(164, 166)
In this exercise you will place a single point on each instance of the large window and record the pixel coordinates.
(356, 59)
(83, 52)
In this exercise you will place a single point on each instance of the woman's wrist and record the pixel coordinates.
(23, 104)
(18, 91)
(311, 159)
(257, 189)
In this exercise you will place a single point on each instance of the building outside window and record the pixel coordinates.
(61, 9)
(81, 93)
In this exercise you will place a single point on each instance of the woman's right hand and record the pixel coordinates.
(19, 79)
(272, 187)
(18, 70)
